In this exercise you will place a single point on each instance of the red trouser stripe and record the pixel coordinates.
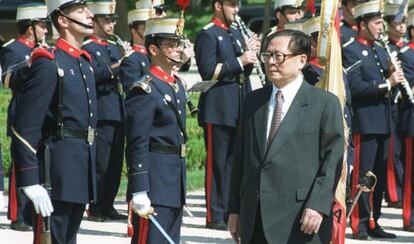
(407, 181)
(391, 181)
(355, 182)
(39, 228)
(209, 169)
(143, 231)
(13, 194)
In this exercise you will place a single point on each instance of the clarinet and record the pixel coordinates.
(247, 34)
(404, 86)
(121, 43)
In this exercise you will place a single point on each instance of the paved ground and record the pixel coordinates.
(192, 230)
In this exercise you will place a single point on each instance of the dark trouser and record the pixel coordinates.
(145, 231)
(395, 170)
(64, 223)
(370, 155)
(258, 236)
(219, 141)
(109, 159)
(408, 196)
(20, 207)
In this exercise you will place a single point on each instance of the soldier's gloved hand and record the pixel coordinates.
(1, 201)
(41, 200)
(141, 204)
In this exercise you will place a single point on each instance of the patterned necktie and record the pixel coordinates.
(277, 117)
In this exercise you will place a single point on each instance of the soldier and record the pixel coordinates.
(395, 168)
(14, 59)
(372, 87)
(349, 29)
(155, 125)
(407, 128)
(136, 64)
(106, 56)
(54, 126)
(220, 54)
(286, 11)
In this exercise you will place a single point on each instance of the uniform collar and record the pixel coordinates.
(411, 45)
(315, 61)
(160, 74)
(139, 49)
(71, 50)
(364, 41)
(99, 40)
(25, 41)
(399, 44)
(219, 23)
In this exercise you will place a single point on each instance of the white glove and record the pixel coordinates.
(41, 200)
(1, 201)
(141, 204)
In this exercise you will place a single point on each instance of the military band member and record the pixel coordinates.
(349, 28)
(372, 87)
(54, 126)
(136, 64)
(395, 168)
(221, 55)
(287, 11)
(15, 56)
(407, 128)
(155, 126)
(106, 55)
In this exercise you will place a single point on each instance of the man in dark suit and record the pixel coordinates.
(288, 145)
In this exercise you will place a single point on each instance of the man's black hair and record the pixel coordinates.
(299, 42)
(23, 25)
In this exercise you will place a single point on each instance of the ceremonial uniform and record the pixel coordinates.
(110, 140)
(16, 52)
(406, 125)
(134, 67)
(372, 122)
(395, 165)
(217, 50)
(155, 153)
(54, 133)
(348, 32)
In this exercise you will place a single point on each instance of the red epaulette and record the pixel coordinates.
(41, 52)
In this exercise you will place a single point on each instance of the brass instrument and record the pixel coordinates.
(247, 34)
(405, 86)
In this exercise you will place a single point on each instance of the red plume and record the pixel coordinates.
(183, 4)
(310, 6)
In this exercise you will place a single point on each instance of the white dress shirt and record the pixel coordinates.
(289, 93)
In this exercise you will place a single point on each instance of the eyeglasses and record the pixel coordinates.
(278, 57)
(173, 44)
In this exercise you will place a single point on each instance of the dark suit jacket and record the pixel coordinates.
(296, 172)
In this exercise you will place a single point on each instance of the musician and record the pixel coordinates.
(372, 88)
(397, 29)
(136, 64)
(349, 29)
(106, 56)
(54, 126)
(158, 7)
(221, 55)
(15, 55)
(155, 126)
(407, 128)
(286, 11)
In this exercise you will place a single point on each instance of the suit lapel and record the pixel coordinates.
(260, 121)
(289, 123)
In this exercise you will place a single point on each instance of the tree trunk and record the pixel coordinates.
(121, 29)
(266, 19)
